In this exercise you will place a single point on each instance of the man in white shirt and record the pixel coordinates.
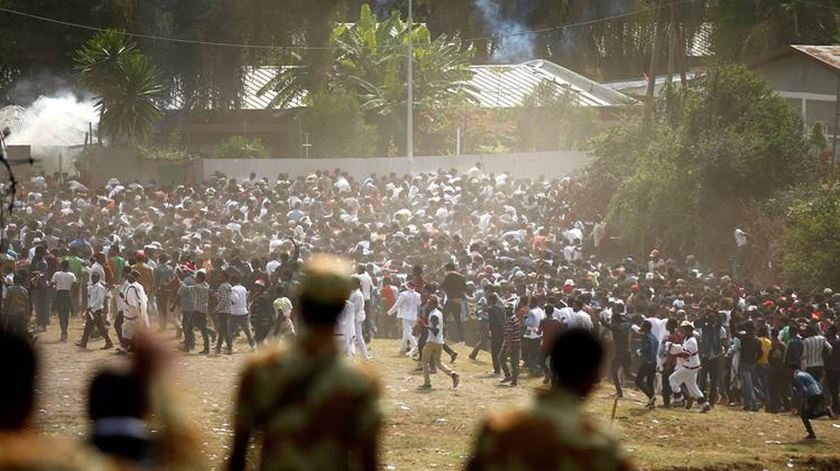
(239, 315)
(688, 365)
(63, 281)
(407, 307)
(579, 319)
(533, 337)
(366, 286)
(358, 301)
(344, 328)
(135, 314)
(96, 311)
(434, 346)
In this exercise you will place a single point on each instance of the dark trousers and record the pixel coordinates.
(224, 333)
(162, 300)
(667, 371)
(196, 320)
(709, 374)
(497, 339)
(118, 323)
(242, 322)
(96, 321)
(645, 377)
(483, 339)
(531, 352)
(368, 326)
(621, 360)
(41, 302)
(832, 384)
(812, 408)
(761, 374)
(777, 389)
(16, 323)
(63, 306)
(511, 354)
(452, 309)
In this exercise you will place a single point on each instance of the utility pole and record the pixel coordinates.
(651, 85)
(409, 141)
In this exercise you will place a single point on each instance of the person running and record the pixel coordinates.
(63, 281)
(810, 394)
(434, 346)
(240, 317)
(688, 365)
(407, 307)
(554, 433)
(454, 286)
(512, 349)
(359, 315)
(308, 406)
(96, 311)
(224, 302)
(646, 374)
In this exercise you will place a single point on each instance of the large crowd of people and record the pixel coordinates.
(503, 264)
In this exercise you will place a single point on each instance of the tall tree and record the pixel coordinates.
(129, 88)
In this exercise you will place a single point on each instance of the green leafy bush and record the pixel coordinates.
(684, 182)
(239, 147)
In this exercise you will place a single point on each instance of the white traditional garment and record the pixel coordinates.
(135, 313)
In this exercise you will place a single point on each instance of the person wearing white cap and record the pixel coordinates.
(688, 365)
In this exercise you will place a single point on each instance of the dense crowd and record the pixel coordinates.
(504, 264)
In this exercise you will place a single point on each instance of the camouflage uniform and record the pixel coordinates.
(312, 411)
(552, 435)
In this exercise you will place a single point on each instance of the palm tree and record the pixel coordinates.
(369, 61)
(128, 87)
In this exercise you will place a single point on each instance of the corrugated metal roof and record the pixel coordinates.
(12, 117)
(496, 86)
(257, 77)
(828, 55)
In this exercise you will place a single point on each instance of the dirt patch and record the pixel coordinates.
(434, 429)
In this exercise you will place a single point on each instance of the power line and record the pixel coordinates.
(296, 47)
(159, 38)
(574, 25)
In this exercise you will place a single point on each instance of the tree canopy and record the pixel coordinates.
(685, 183)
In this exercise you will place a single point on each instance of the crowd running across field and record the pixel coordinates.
(502, 264)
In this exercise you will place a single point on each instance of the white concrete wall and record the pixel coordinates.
(524, 165)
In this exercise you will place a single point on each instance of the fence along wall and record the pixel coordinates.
(522, 165)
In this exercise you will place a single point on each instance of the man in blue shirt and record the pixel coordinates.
(811, 394)
(648, 347)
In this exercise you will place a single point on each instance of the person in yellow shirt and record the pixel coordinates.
(762, 366)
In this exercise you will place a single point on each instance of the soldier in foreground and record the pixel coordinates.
(312, 408)
(553, 434)
(22, 447)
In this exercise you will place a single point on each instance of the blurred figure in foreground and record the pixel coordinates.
(311, 408)
(122, 402)
(519, 440)
(22, 448)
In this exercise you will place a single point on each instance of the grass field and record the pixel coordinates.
(434, 429)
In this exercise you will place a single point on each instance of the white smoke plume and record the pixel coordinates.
(54, 121)
(514, 45)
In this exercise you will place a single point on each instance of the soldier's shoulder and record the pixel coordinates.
(30, 452)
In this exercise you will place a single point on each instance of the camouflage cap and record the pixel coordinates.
(326, 279)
